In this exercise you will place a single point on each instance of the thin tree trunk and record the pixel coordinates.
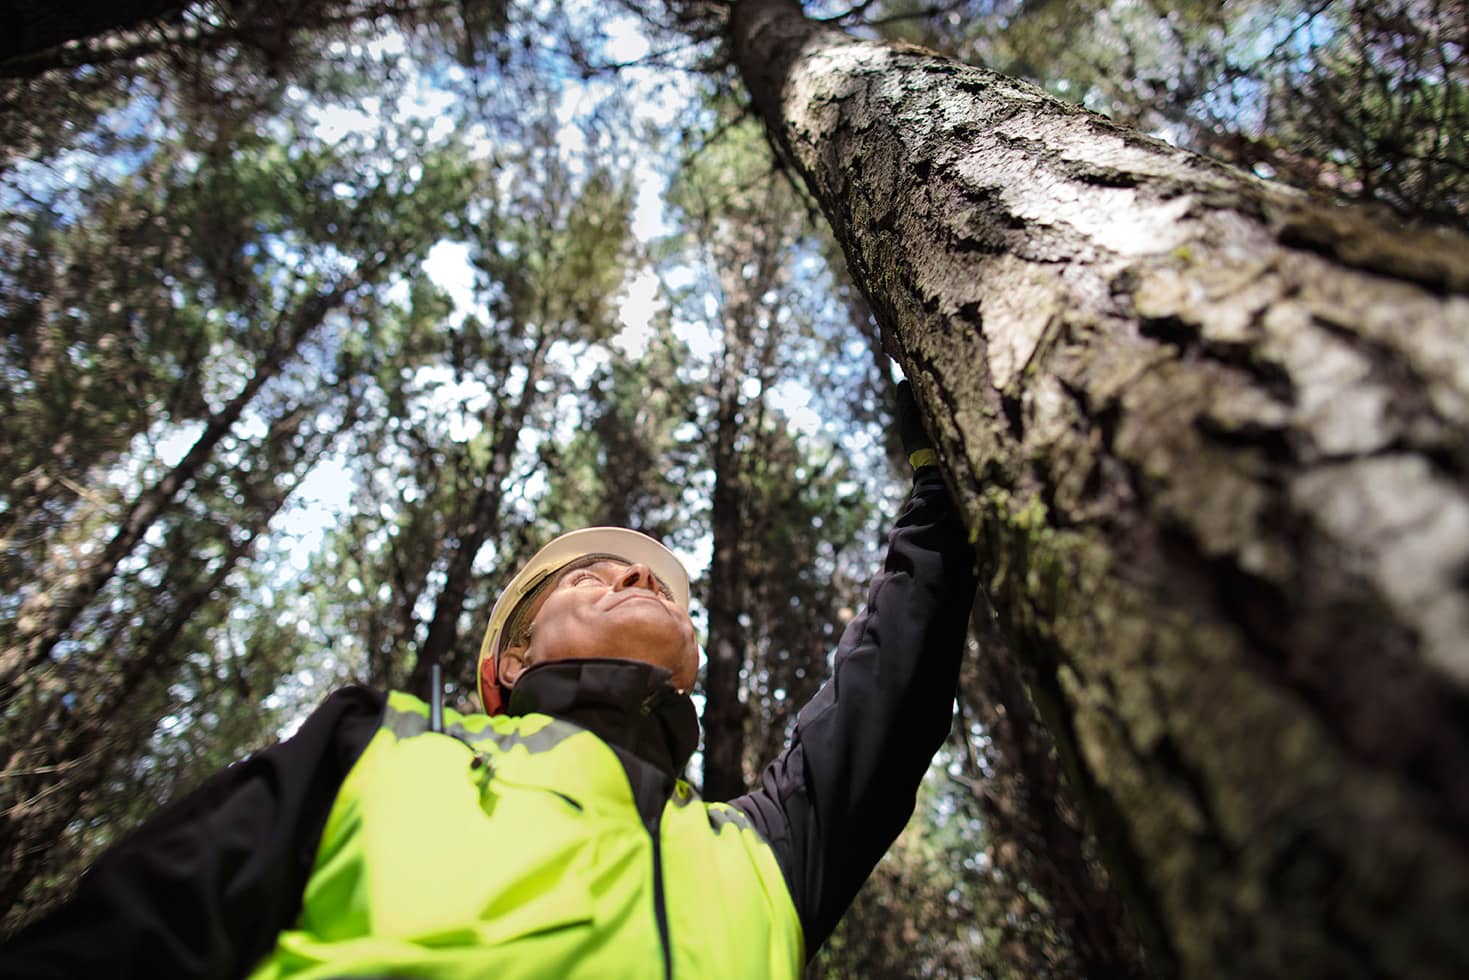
(47, 617)
(41, 805)
(79, 745)
(470, 536)
(724, 711)
(757, 242)
(1212, 439)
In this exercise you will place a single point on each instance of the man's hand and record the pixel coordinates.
(917, 446)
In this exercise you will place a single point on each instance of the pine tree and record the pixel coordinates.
(1209, 438)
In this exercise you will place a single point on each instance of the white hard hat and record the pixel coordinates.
(619, 543)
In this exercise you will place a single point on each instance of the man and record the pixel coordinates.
(552, 835)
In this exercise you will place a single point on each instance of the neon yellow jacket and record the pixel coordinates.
(531, 861)
(525, 847)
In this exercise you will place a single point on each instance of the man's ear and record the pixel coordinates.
(487, 678)
(512, 662)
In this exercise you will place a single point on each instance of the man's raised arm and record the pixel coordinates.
(841, 791)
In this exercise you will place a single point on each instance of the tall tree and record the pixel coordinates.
(463, 398)
(1210, 440)
(785, 513)
(56, 603)
(225, 65)
(233, 346)
(89, 720)
(555, 273)
(1042, 855)
(744, 235)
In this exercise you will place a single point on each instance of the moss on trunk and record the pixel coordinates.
(1213, 440)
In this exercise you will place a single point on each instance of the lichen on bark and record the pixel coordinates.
(1214, 440)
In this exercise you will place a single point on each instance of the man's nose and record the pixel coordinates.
(635, 576)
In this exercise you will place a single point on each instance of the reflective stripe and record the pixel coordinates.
(541, 741)
(722, 813)
(408, 724)
(404, 724)
(422, 873)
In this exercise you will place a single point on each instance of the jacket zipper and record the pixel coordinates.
(659, 905)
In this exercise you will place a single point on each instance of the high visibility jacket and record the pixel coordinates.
(555, 842)
(513, 847)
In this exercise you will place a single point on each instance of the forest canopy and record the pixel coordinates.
(321, 317)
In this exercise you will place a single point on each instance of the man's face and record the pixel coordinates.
(609, 609)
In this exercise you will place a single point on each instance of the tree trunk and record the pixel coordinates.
(47, 617)
(115, 707)
(1210, 437)
(1029, 825)
(724, 710)
(150, 28)
(468, 538)
(42, 800)
(746, 250)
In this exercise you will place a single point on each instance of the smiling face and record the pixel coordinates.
(607, 608)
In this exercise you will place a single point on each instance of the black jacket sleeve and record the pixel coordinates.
(841, 791)
(203, 888)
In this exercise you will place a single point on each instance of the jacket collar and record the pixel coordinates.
(628, 704)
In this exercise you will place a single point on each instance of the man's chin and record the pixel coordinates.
(675, 661)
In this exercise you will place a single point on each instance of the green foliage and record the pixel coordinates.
(625, 466)
(923, 911)
(1350, 98)
(810, 529)
(147, 293)
(1386, 104)
(439, 460)
(192, 206)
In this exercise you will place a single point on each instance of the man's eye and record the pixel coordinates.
(582, 577)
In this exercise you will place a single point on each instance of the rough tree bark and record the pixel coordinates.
(1031, 832)
(1211, 439)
